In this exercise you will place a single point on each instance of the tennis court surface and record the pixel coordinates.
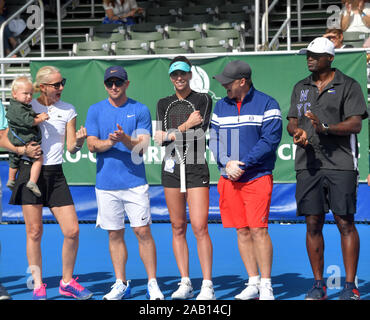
(291, 272)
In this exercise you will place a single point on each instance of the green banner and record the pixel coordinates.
(273, 74)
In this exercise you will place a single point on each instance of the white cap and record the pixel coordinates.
(319, 45)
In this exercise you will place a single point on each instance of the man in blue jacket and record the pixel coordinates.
(246, 129)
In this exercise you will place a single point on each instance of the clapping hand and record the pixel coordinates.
(81, 135)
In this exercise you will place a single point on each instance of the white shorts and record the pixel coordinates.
(114, 204)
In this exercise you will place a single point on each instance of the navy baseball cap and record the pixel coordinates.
(115, 72)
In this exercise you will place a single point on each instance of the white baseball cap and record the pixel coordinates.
(319, 45)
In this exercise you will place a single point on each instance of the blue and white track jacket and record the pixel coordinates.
(251, 136)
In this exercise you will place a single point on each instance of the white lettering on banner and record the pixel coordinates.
(290, 154)
(74, 158)
(155, 154)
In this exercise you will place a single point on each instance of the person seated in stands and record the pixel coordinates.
(355, 16)
(9, 40)
(336, 36)
(121, 11)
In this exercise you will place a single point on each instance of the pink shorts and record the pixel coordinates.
(245, 204)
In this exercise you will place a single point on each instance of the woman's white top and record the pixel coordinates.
(120, 9)
(355, 23)
(54, 130)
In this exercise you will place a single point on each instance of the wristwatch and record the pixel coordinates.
(325, 126)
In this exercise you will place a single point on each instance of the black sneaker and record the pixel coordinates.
(349, 292)
(4, 295)
(317, 292)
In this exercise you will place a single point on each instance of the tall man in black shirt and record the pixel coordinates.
(325, 116)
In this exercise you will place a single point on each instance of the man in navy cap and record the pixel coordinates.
(246, 130)
(119, 130)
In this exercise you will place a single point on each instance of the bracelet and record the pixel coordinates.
(77, 147)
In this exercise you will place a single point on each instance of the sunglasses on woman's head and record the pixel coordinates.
(56, 85)
(117, 82)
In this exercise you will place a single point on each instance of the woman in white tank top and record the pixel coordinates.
(60, 128)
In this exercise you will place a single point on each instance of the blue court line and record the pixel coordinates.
(291, 272)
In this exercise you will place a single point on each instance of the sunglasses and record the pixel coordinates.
(316, 56)
(117, 82)
(56, 85)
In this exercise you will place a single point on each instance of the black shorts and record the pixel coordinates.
(317, 191)
(197, 175)
(52, 184)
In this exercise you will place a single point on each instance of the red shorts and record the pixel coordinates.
(245, 204)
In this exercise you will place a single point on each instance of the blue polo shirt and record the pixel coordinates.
(118, 168)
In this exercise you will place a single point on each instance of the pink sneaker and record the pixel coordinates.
(75, 290)
(39, 293)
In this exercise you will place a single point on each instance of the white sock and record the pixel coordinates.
(254, 280)
(266, 282)
(185, 280)
(65, 284)
(154, 280)
(120, 280)
(207, 283)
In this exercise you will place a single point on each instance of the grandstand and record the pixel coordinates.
(230, 24)
(80, 21)
(171, 26)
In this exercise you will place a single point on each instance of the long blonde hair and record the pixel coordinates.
(43, 75)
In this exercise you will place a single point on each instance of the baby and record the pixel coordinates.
(23, 128)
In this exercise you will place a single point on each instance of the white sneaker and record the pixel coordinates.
(119, 291)
(266, 292)
(206, 292)
(249, 293)
(185, 290)
(153, 291)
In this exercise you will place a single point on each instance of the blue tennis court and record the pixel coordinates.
(291, 272)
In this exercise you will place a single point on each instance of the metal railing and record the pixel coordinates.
(62, 12)
(39, 31)
(286, 24)
(265, 22)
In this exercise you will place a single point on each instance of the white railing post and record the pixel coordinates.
(92, 9)
(289, 18)
(256, 24)
(299, 20)
(264, 23)
(59, 23)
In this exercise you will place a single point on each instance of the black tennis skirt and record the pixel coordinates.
(197, 176)
(52, 184)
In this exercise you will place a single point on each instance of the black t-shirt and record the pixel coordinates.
(201, 102)
(341, 99)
